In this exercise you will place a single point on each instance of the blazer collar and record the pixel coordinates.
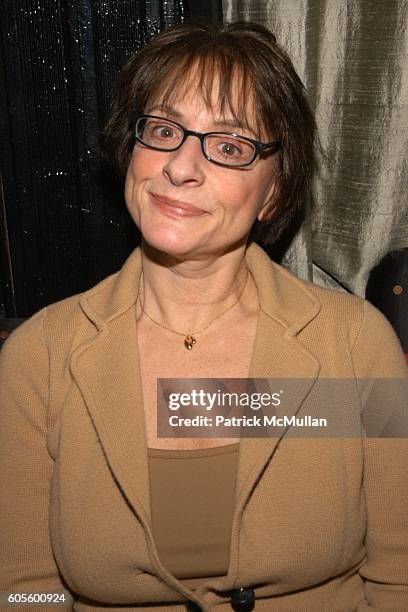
(115, 294)
(281, 295)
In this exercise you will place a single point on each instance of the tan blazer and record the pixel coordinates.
(320, 524)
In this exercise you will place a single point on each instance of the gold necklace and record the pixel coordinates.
(189, 339)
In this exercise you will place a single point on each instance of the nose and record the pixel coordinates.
(185, 165)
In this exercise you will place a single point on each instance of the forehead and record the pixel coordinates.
(225, 98)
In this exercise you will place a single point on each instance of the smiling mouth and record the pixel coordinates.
(175, 208)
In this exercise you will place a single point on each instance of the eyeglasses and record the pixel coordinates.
(222, 148)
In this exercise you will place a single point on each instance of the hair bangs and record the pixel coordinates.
(224, 83)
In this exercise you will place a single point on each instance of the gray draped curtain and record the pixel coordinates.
(352, 56)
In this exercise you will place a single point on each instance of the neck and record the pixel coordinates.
(187, 295)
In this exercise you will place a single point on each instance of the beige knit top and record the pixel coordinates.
(192, 501)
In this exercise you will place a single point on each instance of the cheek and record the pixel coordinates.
(130, 175)
(139, 170)
(135, 168)
(132, 182)
(144, 163)
(244, 196)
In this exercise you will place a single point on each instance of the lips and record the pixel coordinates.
(176, 208)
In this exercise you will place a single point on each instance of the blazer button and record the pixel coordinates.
(192, 606)
(243, 599)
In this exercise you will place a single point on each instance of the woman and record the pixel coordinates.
(215, 136)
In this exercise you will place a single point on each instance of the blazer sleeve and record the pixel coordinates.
(27, 564)
(381, 369)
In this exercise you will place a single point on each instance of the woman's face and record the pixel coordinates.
(183, 204)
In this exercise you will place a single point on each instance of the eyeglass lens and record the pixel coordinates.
(167, 136)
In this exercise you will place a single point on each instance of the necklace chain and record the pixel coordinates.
(189, 339)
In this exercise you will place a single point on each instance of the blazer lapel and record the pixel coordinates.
(117, 408)
(289, 368)
(286, 307)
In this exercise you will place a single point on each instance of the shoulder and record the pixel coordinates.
(330, 317)
(296, 303)
(333, 302)
(57, 324)
(340, 307)
(346, 306)
(86, 312)
(375, 347)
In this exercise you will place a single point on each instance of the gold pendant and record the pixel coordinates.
(189, 342)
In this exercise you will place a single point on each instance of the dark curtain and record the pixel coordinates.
(63, 222)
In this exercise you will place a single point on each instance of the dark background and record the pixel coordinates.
(63, 222)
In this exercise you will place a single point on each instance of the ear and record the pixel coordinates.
(267, 211)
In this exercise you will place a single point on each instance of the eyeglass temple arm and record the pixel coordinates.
(276, 145)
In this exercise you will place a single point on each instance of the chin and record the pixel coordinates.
(170, 242)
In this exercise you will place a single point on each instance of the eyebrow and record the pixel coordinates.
(230, 123)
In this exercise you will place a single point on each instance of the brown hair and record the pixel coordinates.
(243, 49)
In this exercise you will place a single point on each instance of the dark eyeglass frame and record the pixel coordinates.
(260, 147)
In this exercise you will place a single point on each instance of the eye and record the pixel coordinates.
(229, 149)
(161, 133)
(164, 132)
